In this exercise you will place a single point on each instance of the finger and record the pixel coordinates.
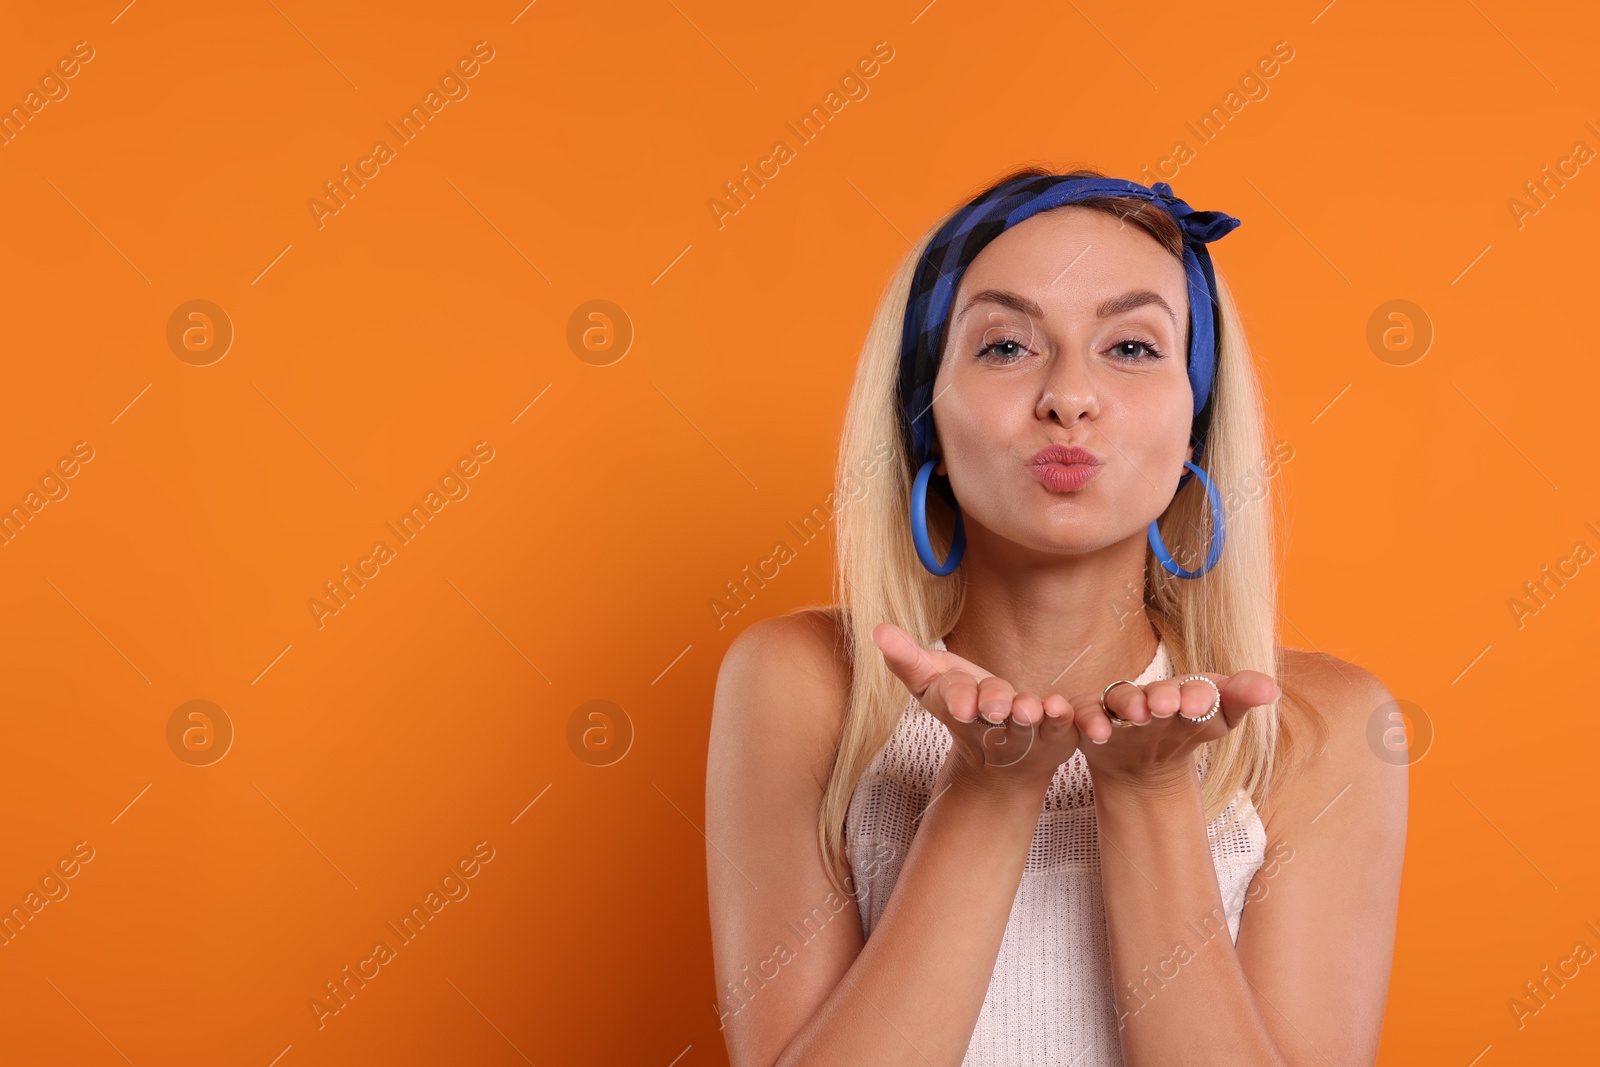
(1091, 719)
(1006, 746)
(1063, 730)
(895, 641)
(1197, 698)
(1027, 709)
(995, 695)
(1164, 698)
(1128, 701)
(920, 670)
(910, 662)
(1055, 724)
(955, 694)
(1243, 691)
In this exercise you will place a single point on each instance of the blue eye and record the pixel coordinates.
(1148, 346)
(1004, 342)
(1010, 349)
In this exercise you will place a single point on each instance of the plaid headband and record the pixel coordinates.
(960, 240)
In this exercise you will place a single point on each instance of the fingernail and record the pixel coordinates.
(1099, 741)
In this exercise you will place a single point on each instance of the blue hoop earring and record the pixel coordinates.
(1217, 535)
(919, 525)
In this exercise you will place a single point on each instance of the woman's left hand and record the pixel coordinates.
(1158, 748)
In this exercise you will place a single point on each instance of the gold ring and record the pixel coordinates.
(1215, 704)
(1116, 720)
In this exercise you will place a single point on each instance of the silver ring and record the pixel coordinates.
(1215, 704)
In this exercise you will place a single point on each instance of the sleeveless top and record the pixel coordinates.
(1050, 997)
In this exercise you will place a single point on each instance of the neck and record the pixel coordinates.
(1054, 623)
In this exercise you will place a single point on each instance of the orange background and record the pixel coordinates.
(434, 711)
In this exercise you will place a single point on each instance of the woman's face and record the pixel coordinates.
(1054, 340)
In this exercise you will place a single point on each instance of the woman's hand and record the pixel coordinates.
(1039, 733)
(1157, 750)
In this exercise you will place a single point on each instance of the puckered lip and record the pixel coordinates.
(1066, 456)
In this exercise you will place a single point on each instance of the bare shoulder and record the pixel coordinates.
(810, 639)
(1330, 682)
(780, 702)
(1337, 710)
(1317, 935)
(787, 680)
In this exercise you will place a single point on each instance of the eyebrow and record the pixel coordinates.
(1133, 298)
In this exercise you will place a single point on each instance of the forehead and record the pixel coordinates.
(1074, 256)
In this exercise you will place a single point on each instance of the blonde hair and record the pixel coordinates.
(1222, 622)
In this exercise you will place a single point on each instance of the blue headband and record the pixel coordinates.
(960, 240)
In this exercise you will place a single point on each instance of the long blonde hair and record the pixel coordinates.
(1222, 622)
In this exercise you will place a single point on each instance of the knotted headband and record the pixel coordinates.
(958, 243)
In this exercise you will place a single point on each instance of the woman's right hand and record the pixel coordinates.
(1040, 733)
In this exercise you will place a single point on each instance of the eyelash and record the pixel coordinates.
(1149, 346)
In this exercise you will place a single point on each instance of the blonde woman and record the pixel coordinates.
(1040, 788)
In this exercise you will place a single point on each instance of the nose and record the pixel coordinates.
(1068, 390)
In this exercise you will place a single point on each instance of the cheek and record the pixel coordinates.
(1162, 413)
(975, 423)
(1151, 436)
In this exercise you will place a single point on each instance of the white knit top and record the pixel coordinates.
(1050, 997)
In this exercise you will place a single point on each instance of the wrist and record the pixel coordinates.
(986, 787)
(1163, 785)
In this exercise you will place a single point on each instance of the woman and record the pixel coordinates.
(1047, 792)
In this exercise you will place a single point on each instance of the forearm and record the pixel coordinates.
(1181, 992)
(913, 994)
